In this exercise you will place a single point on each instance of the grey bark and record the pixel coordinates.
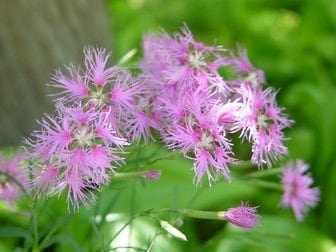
(36, 37)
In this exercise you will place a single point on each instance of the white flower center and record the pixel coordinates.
(252, 78)
(206, 142)
(83, 138)
(262, 121)
(196, 60)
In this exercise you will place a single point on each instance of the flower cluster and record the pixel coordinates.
(99, 110)
(97, 114)
(200, 109)
(181, 95)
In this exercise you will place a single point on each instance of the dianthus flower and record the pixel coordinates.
(262, 123)
(242, 216)
(298, 193)
(199, 137)
(76, 150)
(182, 62)
(13, 178)
(101, 87)
(88, 84)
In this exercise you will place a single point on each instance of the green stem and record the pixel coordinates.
(242, 165)
(129, 175)
(126, 175)
(35, 230)
(197, 214)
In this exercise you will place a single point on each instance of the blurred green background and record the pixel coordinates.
(294, 42)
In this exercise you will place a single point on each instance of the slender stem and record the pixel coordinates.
(193, 213)
(199, 214)
(149, 174)
(132, 210)
(35, 229)
(242, 165)
(128, 175)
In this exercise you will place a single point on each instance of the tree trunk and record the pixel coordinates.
(36, 37)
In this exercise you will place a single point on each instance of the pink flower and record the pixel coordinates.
(200, 138)
(298, 193)
(262, 123)
(13, 179)
(242, 216)
(183, 61)
(74, 151)
(98, 86)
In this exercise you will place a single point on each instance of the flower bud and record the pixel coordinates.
(173, 230)
(242, 216)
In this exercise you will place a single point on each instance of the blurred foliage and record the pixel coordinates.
(294, 42)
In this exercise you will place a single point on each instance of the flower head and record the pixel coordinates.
(242, 216)
(98, 86)
(262, 123)
(76, 150)
(183, 61)
(200, 137)
(298, 193)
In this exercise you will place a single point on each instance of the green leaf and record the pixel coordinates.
(15, 232)
(61, 239)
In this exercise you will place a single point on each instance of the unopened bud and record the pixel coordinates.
(242, 216)
(173, 230)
